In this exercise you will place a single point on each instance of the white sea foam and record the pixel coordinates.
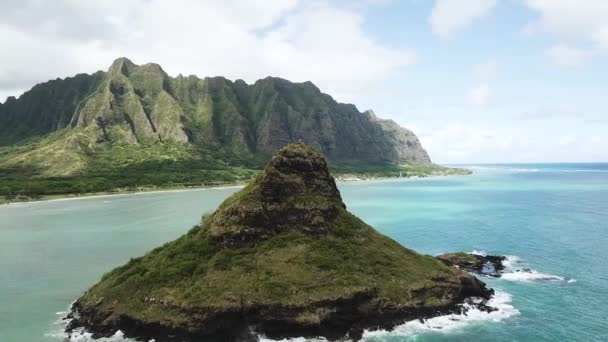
(82, 336)
(514, 271)
(511, 261)
(501, 301)
(531, 275)
(523, 168)
(447, 323)
(296, 339)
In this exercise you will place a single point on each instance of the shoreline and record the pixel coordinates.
(71, 197)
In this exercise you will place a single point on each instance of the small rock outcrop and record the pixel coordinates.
(295, 191)
(491, 265)
(281, 258)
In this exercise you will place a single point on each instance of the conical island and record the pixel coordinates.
(280, 258)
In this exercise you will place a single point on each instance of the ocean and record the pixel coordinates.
(550, 218)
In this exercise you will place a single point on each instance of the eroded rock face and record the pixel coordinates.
(133, 104)
(295, 191)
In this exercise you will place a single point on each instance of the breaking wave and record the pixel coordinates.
(501, 300)
(516, 270)
(532, 275)
(80, 335)
(520, 169)
(295, 339)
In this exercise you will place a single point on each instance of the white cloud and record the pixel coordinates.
(449, 16)
(574, 23)
(458, 143)
(328, 45)
(238, 39)
(600, 37)
(485, 70)
(479, 94)
(570, 18)
(568, 56)
(472, 143)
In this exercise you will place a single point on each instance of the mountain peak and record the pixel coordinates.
(122, 65)
(294, 190)
(371, 115)
(154, 68)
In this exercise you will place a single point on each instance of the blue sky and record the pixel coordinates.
(477, 80)
(531, 109)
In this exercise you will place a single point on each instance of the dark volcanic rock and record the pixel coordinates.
(281, 258)
(491, 265)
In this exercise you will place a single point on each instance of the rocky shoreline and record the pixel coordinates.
(348, 318)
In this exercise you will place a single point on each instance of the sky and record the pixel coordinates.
(479, 81)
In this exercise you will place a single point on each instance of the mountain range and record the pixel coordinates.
(142, 104)
(137, 120)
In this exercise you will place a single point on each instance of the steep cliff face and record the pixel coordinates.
(132, 104)
(45, 108)
(143, 105)
(281, 258)
(402, 142)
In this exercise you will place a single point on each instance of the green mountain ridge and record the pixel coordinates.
(142, 104)
(134, 127)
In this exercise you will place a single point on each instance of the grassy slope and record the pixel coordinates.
(69, 162)
(290, 268)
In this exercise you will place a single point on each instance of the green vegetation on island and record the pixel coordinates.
(283, 258)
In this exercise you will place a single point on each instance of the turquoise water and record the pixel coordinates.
(552, 219)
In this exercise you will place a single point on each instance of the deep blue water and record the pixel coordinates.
(551, 218)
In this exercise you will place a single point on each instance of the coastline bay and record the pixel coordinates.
(550, 218)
